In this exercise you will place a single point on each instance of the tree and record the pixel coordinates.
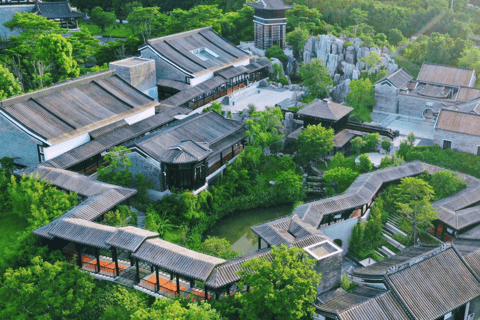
(55, 50)
(281, 289)
(218, 247)
(414, 197)
(121, 302)
(347, 284)
(338, 160)
(446, 183)
(470, 58)
(265, 127)
(84, 47)
(237, 25)
(305, 17)
(197, 17)
(339, 179)
(386, 143)
(146, 21)
(371, 141)
(276, 52)
(359, 16)
(45, 291)
(9, 85)
(365, 165)
(315, 78)
(103, 19)
(361, 98)
(395, 36)
(357, 144)
(297, 39)
(315, 141)
(29, 24)
(165, 309)
(116, 171)
(372, 61)
(411, 138)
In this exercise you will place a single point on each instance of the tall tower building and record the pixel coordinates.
(270, 23)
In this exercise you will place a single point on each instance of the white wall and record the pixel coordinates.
(198, 80)
(140, 116)
(58, 149)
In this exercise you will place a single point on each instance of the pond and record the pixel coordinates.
(236, 227)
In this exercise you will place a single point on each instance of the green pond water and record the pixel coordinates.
(236, 227)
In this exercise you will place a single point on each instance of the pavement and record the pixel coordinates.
(267, 97)
(421, 128)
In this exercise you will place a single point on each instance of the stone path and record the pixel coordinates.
(140, 217)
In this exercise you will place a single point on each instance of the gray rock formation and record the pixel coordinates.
(340, 92)
(332, 64)
(350, 55)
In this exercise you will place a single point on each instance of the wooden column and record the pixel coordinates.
(228, 290)
(221, 158)
(248, 288)
(158, 280)
(192, 283)
(131, 262)
(217, 296)
(79, 255)
(435, 229)
(259, 243)
(178, 284)
(206, 293)
(137, 274)
(115, 259)
(171, 276)
(97, 255)
(233, 152)
(443, 231)
(151, 268)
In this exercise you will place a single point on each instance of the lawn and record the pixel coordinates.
(118, 30)
(9, 225)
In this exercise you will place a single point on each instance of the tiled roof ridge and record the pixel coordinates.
(178, 35)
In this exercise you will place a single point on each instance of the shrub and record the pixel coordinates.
(386, 144)
(276, 52)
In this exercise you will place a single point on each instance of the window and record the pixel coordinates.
(447, 144)
(204, 53)
(41, 153)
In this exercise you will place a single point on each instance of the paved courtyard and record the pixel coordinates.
(267, 97)
(421, 128)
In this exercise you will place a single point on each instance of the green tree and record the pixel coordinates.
(218, 247)
(371, 141)
(359, 16)
(315, 141)
(197, 17)
(103, 19)
(146, 21)
(9, 85)
(338, 160)
(395, 36)
(116, 171)
(297, 39)
(347, 284)
(372, 60)
(237, 25)
(283, 288)
(30, 24)
(358, 144)
(414, 197)
(305, 17)
(265, 127)
(446, 183)
(157, 222)
(84, 47)
(470, 58)
(361, 98)
(276, 52)
(339, 179)
(164, 309)
(365, 165)
(121, 302)
(386, 143)
(315, 78)
(45, 291)
(56, 51)
(411, 138)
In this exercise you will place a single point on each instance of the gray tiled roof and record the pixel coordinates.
(187, 151)
(365, 303)
(174, 258)
(208, 127)
(399, 78)
(269, 5)
(325, 110)
(129, 238)
(57, 10)
(178, 49)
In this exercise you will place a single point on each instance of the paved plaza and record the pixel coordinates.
(260, 98)
(421, 128)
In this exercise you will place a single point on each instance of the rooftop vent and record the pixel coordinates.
(204, 53)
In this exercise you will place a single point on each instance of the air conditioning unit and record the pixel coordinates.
(470, 316)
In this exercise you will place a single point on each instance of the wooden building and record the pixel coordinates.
(270, 23)
(327, 113)
(187, 152)
(458, 131)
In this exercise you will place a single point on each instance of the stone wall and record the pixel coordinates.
(341, 230)
(386, 98)
(331, 270)
(414, 106)
(163, 69)
(460, 142)
(15, 143)
(146, 167)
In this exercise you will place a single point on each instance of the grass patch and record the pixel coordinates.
(308, 99)
(10, 224)
(118, 30)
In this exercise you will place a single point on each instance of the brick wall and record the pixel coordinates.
(147, 168)
(386, 98)
(331, 270)
(460, 142)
